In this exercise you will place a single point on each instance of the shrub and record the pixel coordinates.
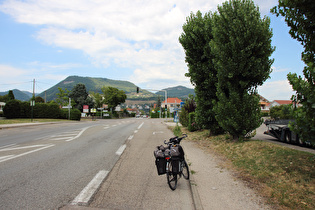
(177, 130)
(192, 126)
(281, 112)
(155, 115)
(183, 117)
(25, 109)
(12, 109)
(75, 114)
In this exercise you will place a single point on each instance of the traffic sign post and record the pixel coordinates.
(32, 103)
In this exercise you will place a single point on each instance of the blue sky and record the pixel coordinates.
(135, 41)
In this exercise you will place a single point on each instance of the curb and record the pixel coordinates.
(194, 193)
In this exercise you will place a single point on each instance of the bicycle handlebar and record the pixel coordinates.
(175, 140)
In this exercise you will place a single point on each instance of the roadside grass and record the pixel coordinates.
(284, 176)
(14, 121)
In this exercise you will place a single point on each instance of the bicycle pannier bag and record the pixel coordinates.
(158, 153)
(177, 151)
(176, 165)
(160, 165)
(160, 161)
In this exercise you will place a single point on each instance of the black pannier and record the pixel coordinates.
(160, 161)
(160, 165)
(177, 152)
(176, 165)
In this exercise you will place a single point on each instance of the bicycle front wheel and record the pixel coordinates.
(171, 177)
(185, 170)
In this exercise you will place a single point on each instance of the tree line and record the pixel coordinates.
(79, 97)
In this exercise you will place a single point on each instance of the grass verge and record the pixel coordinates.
(284, 176)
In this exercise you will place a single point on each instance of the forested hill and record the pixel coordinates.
(179, 92)
(95, 85)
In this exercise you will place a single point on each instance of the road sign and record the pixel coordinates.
(86, 108)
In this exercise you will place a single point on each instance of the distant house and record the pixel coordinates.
(264, 104)
(280, 102)
(132, 110)
(171, 103)
(2, 104)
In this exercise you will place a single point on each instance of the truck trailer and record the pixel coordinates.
(280, 130)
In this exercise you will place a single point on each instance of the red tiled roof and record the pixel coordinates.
(283, 101)
(173, 100)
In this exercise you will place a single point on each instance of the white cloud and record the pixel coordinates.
(276, 90)
(140, 35)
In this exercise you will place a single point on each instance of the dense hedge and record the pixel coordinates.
(75, 114)
(12, 109)
(18, 109)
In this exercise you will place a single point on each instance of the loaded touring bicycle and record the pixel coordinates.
(170, 160)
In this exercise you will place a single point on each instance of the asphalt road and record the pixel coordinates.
(48, 166)
(134, 183)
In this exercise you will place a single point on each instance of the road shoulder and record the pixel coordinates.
(216, 186)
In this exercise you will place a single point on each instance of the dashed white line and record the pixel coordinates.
(140, 125)
(130, 137)
(121, 149)
(86, 194)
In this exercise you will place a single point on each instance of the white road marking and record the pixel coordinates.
(130, 137)
(25, 153)
(81, 132)
(4, 157)
(136, 131)
(86, 194)
(121, 149)
(24, 147)
(9, 145)
(140, 125)
(157, 132)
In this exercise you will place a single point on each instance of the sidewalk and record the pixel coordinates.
(15, 125)
(214, 187)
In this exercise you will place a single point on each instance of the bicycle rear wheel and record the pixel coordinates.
(185, 170)
(171, 177)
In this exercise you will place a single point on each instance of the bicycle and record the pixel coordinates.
(175, 164)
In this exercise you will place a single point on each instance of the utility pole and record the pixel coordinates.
(33, 101)
(69, 106)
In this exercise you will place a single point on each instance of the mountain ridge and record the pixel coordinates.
(95, 84)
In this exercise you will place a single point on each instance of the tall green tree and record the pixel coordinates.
(242, 46)
(97, 98)
(195, 40)
(62, 97)
(80, 96)
(11, 95)
(300, 17)
(113, 96)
